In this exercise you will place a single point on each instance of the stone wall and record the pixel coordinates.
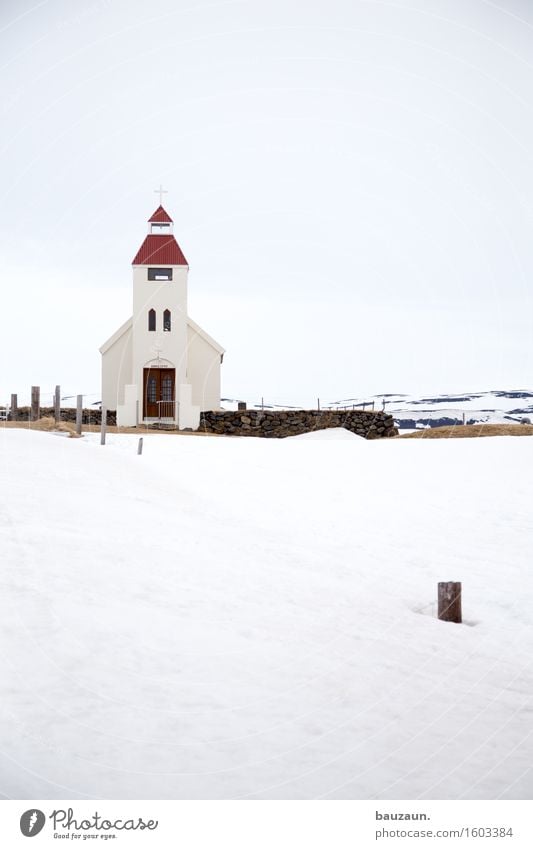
(68, 414)
(281, 423)
(271, 423)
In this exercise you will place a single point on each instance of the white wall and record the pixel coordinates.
(159, 295)
(192, 355)
(116, 370)
(203, 371)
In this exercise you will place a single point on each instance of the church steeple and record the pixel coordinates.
(160, 223)
(160, 246)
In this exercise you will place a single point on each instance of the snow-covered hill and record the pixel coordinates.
(409, 411)
(497, 407)
(227, 618)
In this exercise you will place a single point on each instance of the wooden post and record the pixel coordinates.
(103, 426)
(14, 410)
(318, 404)
(262, 403)
(464, 418)
(450, 601)
(79, 413)
(57, 404)
(35, 403)
(140, 446)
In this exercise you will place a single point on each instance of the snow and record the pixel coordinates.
(247, 618)
(334, 433)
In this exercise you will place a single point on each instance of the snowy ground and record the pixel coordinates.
(227, 618)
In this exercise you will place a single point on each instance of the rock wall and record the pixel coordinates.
(270, 423)
(68, 414)
(281, 423)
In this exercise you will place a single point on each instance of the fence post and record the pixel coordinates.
(79, 413)
(318, 404)
(140, 446)
(450, 601)
(14, 413)
(35, 403)
(57, 404)
(103, 426)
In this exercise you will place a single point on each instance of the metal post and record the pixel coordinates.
(140, 446)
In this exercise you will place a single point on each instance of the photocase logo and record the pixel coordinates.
(32, 822)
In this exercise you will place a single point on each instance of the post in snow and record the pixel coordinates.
(14, 408)
(79, 413)
(140, 446)
(450, 601)
(103, 425)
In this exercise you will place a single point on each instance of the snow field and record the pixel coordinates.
(229, 618)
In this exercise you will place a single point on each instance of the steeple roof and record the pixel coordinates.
(159, 250)
(160, 216)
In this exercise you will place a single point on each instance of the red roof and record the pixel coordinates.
(159, 250)
(160, 216)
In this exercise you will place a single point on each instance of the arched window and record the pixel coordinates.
(166, 320)
(151, 319)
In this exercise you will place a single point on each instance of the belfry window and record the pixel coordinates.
(166, 320)
(159, 274)
(160, 227)
(151, 319)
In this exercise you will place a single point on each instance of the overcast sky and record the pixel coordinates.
(351, 183)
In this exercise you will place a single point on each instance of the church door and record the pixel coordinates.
(158, 393)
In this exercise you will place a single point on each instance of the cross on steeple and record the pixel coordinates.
(161, 191)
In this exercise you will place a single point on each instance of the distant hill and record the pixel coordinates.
(493, 407)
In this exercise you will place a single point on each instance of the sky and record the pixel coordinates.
(351, 183)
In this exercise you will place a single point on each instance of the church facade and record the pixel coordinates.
(160, 366)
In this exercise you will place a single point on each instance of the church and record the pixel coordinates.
(160, 366)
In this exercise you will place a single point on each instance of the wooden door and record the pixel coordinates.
(158, 393)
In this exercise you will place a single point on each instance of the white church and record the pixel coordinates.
(160, 366)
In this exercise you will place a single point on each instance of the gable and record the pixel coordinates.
(205, 336)
(117, 335)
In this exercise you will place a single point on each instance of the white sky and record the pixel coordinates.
(350, 181)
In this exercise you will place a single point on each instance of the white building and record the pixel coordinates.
(160, 365)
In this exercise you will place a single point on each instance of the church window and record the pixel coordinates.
(166, 388)
(151, 390)
(166, 320)
(151, 319)
(159, 274)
